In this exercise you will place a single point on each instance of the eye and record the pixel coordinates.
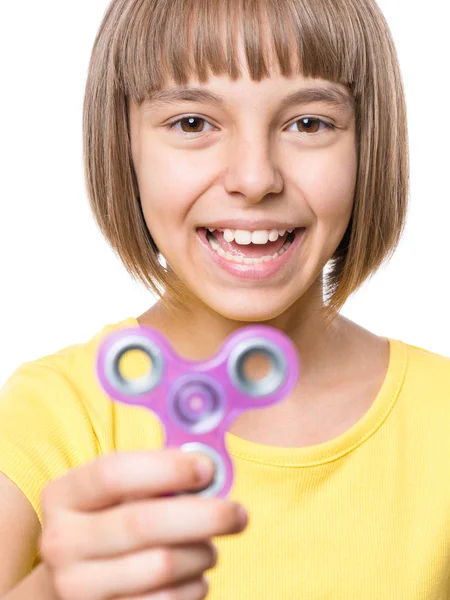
(310, 124)
(193, 124)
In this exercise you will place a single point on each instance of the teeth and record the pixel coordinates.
(229, 235)
(246, 261)
(245, 237)
(240, 236)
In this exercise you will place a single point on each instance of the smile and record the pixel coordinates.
(250, 260)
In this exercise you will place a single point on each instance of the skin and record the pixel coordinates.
(254, 160)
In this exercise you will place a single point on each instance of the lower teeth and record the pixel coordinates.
(247, 261)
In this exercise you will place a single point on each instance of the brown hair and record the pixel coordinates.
(142, 43)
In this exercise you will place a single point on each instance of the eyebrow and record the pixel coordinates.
(330, 94)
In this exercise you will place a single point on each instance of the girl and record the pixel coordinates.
(233, 150)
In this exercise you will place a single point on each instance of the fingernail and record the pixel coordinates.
(242, 516)
(205, 467)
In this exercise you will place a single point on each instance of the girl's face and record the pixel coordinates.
(255, 159)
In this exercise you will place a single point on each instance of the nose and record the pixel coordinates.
(251, 169)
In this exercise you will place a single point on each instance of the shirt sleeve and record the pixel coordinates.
(45, 429)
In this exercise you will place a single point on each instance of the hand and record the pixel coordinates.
(108, 534)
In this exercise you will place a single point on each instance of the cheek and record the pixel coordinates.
(169, 187)
(172, 175)
(330, 186)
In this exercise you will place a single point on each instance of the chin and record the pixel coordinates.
(247, 307)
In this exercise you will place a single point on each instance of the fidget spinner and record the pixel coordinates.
(196, 401)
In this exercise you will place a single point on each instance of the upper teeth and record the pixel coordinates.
(244, 237)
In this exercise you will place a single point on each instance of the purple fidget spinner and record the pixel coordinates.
(196, 401)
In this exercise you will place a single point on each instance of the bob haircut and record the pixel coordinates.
(142, 44)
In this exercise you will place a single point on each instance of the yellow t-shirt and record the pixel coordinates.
(365, 516)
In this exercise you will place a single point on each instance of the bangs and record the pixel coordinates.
(155, 43)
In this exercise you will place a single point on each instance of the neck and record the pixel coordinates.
(196, 332)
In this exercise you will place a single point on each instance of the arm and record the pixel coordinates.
(36, 585)
(19, 535)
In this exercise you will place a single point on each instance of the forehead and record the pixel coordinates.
(305, 92)
(222, 92)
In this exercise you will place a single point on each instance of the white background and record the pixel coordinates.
(59, 281)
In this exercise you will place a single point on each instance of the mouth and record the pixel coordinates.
(247, 251)
(254, 257)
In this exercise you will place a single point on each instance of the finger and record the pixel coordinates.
(194, 590)
(180, 520)
(111, 479)
(197, 589)
(139, 573)
(140, 525)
